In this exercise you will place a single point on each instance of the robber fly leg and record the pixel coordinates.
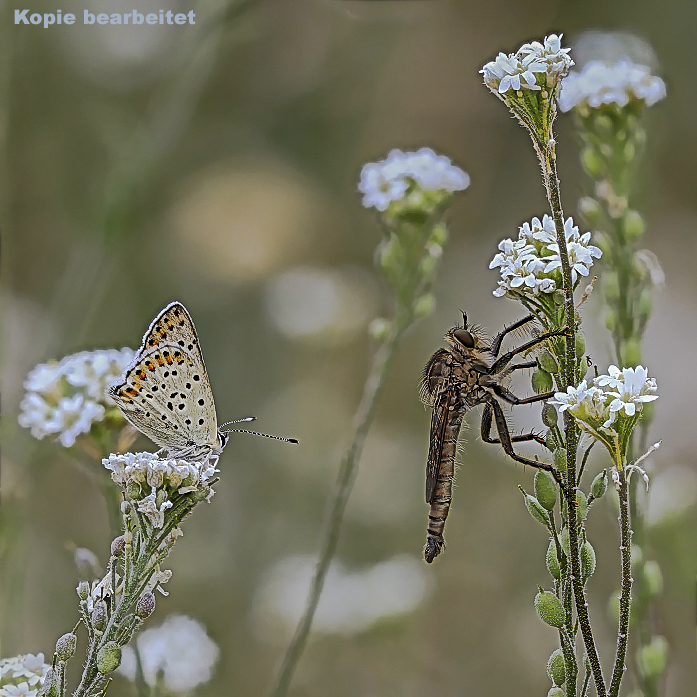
(506, 440)
(504, 360)
(498, 339)
(520, 366)
(487, 415)
(509, 397)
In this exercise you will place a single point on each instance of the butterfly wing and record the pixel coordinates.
(165, 394)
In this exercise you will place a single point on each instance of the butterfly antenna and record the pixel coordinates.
(265, 435)
(239, 421)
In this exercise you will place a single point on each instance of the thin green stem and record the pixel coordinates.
(342, 490)
(547, 154)
(626, 585)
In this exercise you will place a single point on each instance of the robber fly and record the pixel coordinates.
(468, 373)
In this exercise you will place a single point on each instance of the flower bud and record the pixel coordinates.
(548, 362)
(552, 561)
(556, 670)
(424, 306)
(634, 226)
(653, 578)
(50, 686)
(599, 485)
(549, 417)
(99, 615)
(560, 459)
(590, 209)
(653, 657)
(631, 352)
(133, 490)
(542, 381)
(556, 692)
(611, 285)
(380, 329)
(83, 590)
(117, 545)
(125, 507)
(535, 509)
(645, 305)
(145, 605)
(582, 507)
(587, 560)
(550, 609)
(545, 489)
(109, 658)
(439, 235)
(580, 344)
(611, 320)
(65, 646)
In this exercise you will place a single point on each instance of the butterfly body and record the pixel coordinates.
(165, 392)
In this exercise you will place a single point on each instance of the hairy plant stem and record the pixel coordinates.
(626, 586)
(342, 490)
(548, 161)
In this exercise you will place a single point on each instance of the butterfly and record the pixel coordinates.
(165, 392)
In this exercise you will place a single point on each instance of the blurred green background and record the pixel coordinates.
(217, 165)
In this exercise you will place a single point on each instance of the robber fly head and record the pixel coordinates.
(465, 339)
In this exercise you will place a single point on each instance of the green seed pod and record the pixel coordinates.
(545, 490)
(65, 646)
(390, 254)
(556, 692)
(109, 658)
(552, 561)
(582, 508)
(565, 542)
(611, 320)
(629, 152)
(634, 226)
(535, 509)
(587, 560)
(580, 344)
(631, 353)
(145, 605)
(83, 590)
(556, 670)
(590, 209)
(560, 459)
(99, 615)
(601, 241)
(548, 362)
(653, 657)
(200, 494)
(542, 381)
(611, 285)
(653, 578)
(550, 436)
(550, 609)
(645, 304)
(439, 235)
(549, 416)
(424, 306)
(599, 485)
(603, 125)
(592, 163)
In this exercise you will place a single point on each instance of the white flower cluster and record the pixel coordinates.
(179, 648)
(532, 66)
(22, 675)
(163, 476)
(66, 397)
(621, 393)
(531, 264)
(599, 83)
(393, 178)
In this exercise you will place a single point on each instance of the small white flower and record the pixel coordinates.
(519, 71)
(156, 514)
(629, 387)
(599, 84)
(22, 675)
(180, 649)
(390, 179)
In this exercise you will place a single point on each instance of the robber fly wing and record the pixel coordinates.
(439, 425)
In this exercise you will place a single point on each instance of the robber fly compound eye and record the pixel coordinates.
(465, 338)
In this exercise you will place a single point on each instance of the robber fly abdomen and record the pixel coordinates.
(468, 373)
